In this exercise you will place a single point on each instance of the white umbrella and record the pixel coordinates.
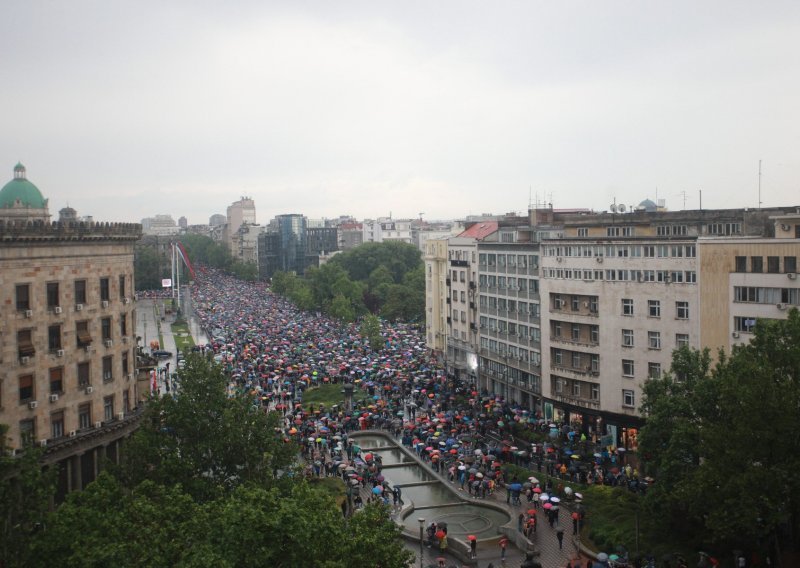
(533, 480)
(555, 500)
(544, 497)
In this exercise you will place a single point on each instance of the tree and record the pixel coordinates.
(724, 441)
(371, 331)
(25, 492)
(148, 268)
(341, 308)
(205, 440)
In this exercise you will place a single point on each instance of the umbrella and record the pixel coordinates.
(515, 487)
(547, 506)
(531, 512)
(537, 489)
(479, 475)
(377, 490)
(472, 537)
(578, 495)
(602, 557)
(555, 500)
(533, 480)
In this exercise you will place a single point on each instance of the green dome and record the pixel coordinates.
(20, 189)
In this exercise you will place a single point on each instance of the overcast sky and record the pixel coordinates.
(128, 109)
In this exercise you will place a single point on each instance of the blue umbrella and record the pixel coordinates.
(515, 487)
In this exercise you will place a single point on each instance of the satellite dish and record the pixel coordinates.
(613, 207)
(621, 208)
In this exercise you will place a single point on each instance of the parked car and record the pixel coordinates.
(162, 354)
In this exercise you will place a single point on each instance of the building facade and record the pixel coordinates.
(67, 339)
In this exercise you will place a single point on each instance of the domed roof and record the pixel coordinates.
(20, 190)
(648, 205)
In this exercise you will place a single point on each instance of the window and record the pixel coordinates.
(654, 308)
(463, 296)
(80, 291)
(576, 303)
(105, 289)
(593, 305)
(83, 375)
(628, 368)
(23, 297)
(54, 337)
(557, 329)
(756, 264)
(53, 299)
(594, 363)
(790, 264)
(25, 343)
(681, 340)
(85, 415)
(654, 370)
(628, 398)
(627, 338)
(654, 339)
(126, 401)
(57, 424)
(558, 356)
(691, 277)
(682, 310)
(84, 338)
(122, 286)
(123, 325)
(576, 332)
(56, 380)
(108, 365)
(594, 332)
(27, 432)
(744, 323)
(691, 251)
(105, 326)
(576, 360)
(108, 407)
(595, 392)
(583, 232)
(627, 306)
(773, 264)
(26, 391)
(576, 389)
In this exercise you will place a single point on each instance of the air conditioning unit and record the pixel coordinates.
(126, 300)
(57, 310)
(599, 259)
(53, 397)
(43, 443)
(735, 335)
(785, 227)
(791, 275)
(59, 352)
(98, 424)
(33, 404)
(78, 307)
(586, 304)
(120, 415)
(28, 313)
(88, 348)
(780, 306)
(24, 360)
(104, 303)
(109, 343)
(130, 376)
(89, 390)
(124, 339)
(72, 433)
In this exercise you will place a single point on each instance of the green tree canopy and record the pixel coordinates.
(724, 440)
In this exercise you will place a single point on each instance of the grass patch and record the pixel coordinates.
(183, 337)
(333, 486)
(324, 394)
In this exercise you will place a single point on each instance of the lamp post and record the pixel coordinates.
(421, 528)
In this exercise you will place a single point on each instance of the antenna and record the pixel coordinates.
(759, 184)
(683, 194)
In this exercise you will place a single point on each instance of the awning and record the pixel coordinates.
(26, 349)
(84, 337)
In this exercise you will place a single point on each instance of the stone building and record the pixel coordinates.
(67, 334)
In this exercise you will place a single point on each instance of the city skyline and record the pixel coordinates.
(127, 110)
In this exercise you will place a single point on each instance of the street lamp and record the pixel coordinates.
(421, 527)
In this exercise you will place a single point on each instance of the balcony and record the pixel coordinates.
(575, 401)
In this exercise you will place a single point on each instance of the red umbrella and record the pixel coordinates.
(472, 537)
(440, 534)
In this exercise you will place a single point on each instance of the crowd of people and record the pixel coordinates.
(274, 353)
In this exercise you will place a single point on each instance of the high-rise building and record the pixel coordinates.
(67, 342)
(289, 245)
